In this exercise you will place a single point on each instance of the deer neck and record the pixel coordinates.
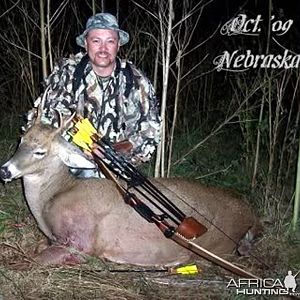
(40, 188)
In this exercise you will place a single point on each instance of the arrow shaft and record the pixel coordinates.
(179, 239)
(211, 256)
(200, 251)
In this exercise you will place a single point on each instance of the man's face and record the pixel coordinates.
(102, 46)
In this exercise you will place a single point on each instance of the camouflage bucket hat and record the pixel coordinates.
(103, 21)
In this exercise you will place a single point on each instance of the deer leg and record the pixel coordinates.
(59, 255)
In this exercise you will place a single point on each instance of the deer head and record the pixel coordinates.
(42, 146)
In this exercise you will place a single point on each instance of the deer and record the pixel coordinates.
(83, 217)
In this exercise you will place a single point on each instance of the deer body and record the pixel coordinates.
(89, 216)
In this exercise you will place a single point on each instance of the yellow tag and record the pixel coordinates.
(186, 270)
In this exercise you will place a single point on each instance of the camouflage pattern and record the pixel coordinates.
(103, 21)
(102, 101)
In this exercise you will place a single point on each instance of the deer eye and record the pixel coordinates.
(39, 153)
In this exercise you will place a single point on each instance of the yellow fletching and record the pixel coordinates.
(82, 140)
(89, 125)
(85, 125)
(186, 270)
(82, 137)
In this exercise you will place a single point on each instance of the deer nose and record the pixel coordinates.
(5, 174)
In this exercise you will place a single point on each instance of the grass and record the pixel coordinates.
(279, 248)
(219, 162)
(83, 283)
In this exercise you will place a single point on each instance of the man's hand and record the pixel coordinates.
(123, 147)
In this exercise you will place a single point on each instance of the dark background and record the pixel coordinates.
(222, 117)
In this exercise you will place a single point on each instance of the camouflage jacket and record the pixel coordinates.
(119, 107)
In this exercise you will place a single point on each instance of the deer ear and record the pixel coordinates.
(74, 158)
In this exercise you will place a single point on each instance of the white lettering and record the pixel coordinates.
(281, 28)
(253, 286)
(232, 283)
(241, 62)
(241, 25)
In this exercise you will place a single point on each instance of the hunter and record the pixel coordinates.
(112, 93)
